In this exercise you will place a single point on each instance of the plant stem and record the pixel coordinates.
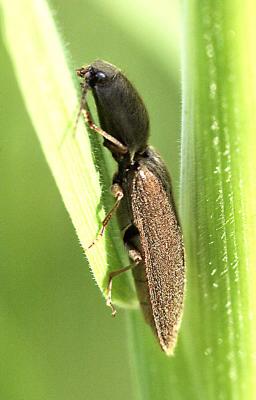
(218, 147)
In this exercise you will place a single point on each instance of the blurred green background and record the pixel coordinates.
(57, 336)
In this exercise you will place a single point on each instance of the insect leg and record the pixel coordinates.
(88, 120)
(109, 287)
(136, 257)
(118, 193)
(132, 242)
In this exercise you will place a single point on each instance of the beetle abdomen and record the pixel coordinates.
(162, 252)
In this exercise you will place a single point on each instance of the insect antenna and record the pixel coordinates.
(82, 106)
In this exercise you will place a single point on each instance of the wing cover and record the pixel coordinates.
(162, 250)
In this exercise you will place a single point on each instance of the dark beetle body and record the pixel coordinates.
(147, 207)
(121, 111)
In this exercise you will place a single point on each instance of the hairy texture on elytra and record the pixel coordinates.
(162, 252)
(141, 284)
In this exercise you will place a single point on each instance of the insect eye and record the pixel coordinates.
(100, 77)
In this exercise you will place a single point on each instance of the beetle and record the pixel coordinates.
(144, 201)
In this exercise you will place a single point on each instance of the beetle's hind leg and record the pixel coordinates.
(134, 255)
(109, 287)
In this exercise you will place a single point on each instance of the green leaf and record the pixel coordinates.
(217, 185)
(76, 160)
